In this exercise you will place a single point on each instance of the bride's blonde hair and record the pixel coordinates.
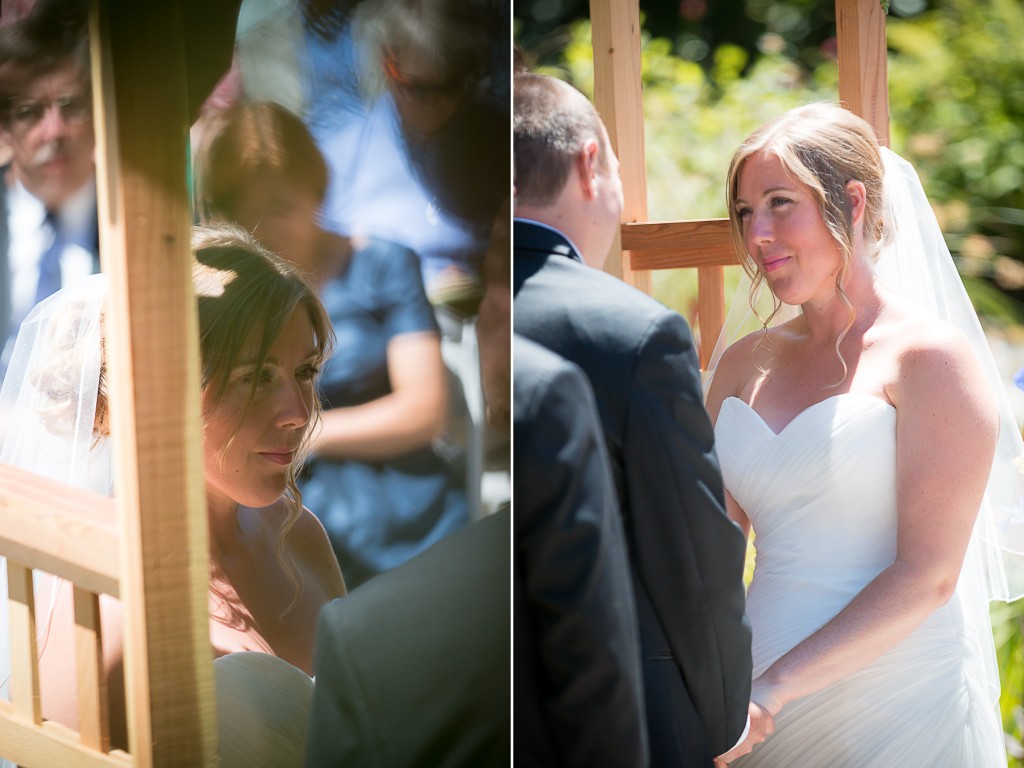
(821, 146)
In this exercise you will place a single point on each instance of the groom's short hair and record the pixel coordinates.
(551, 122)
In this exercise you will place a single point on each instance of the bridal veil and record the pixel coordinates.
(48, 417)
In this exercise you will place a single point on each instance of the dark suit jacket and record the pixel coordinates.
(578, 689)
(687, 556)
(412, 667)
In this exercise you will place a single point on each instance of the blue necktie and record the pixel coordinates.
(49, 264)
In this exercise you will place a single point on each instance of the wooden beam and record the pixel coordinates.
(62, 530)
(863, 62)
(680, 244)
(139, 86)
(710, 310)
(51, 744)
(618, 96)
(705, 244)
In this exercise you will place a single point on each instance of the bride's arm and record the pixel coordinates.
(946, 433)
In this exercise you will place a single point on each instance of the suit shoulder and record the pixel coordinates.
(547, 388)
(585, 289)
(537, 366)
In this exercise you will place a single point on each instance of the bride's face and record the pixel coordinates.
(253, 471)
(784, 232)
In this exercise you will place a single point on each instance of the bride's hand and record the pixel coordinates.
(762, 724)
(768, 694)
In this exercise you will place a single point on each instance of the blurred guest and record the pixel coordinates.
(48, 233)
(416, 132)
(48, 227)
(376, 481)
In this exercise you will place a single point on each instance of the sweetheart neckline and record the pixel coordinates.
(808, 409)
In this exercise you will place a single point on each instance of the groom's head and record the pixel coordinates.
(566, 173)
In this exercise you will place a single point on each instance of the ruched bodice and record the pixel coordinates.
(821, 498)
(806, 494)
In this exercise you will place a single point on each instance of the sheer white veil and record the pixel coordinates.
(916, 264)
(48, 414)
(919, 267)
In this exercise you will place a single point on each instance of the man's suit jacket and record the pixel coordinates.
(578, 687)
(687, 556)
(412, 667)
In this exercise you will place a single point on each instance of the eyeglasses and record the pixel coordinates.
(73, 109)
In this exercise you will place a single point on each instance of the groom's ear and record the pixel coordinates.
(586, 166)
(856, 198)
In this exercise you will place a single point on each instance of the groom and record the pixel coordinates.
(686, 556)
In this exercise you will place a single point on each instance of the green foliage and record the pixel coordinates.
(956, 115)
(1008, 628)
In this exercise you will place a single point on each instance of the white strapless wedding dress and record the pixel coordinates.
(821, 497)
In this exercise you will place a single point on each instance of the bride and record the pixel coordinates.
(857, 440)
(263, 337)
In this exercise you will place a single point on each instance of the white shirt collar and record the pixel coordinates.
(77, 217)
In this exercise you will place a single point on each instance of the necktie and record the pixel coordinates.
(49, 263)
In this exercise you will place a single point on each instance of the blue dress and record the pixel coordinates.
(378, 514)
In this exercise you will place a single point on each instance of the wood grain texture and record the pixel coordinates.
(50, 744)
(710, 310)
(863, 62)
(680, 244)
(153, 356)
(707, 245)
(618, 96)
(93, 714)
(21, 608)
(65, 531)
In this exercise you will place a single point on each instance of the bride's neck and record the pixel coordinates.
(863, 303)
(224, 525)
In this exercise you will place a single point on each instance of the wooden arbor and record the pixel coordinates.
(706, 244)
(156, 558)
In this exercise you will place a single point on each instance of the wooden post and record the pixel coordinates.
(863, 63)
(139, 85)
(618, 96)
(710, 309)
(24, 688)
(93, 720)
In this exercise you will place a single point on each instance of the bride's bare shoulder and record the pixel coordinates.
(911, 332)
(929, 354)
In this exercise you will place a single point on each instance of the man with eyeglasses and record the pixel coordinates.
(48, 233)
